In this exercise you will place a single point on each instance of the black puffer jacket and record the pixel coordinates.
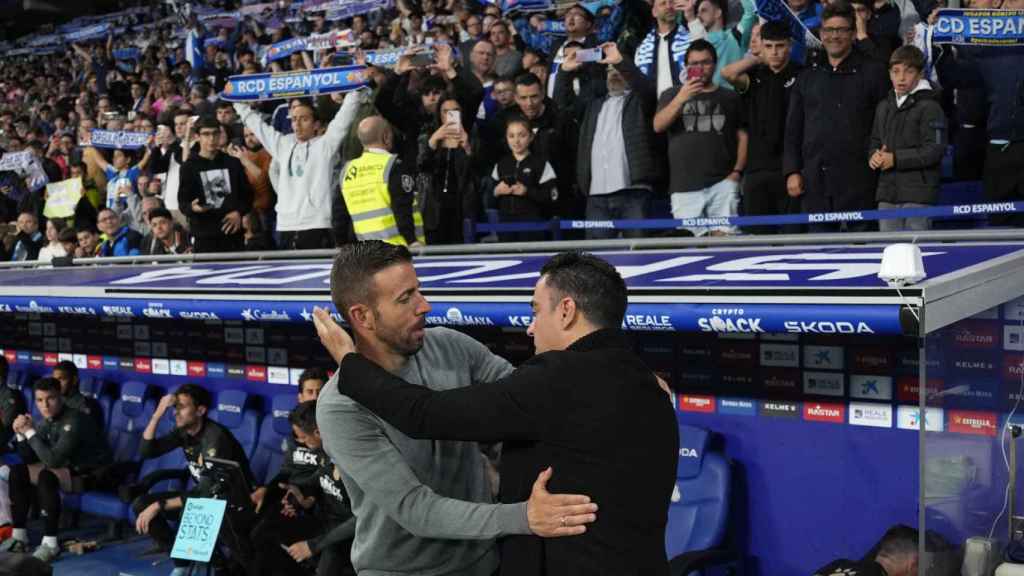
(916, 135)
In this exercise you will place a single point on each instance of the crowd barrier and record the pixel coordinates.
(951, 211)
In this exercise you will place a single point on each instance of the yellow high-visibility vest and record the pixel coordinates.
(365, 190)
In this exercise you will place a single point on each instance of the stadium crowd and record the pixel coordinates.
(598, 110)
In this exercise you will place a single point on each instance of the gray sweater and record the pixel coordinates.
(422, 506)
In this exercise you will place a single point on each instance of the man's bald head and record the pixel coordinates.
(374, 132)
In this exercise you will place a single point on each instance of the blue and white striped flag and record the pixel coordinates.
(194, 50)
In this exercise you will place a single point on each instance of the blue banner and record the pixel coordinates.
(291, 84)
(119, 140)
(980, 27)
(127, 54)
(385, 58)
(89, 33)
(283, 49)
(556, 27)
(525, 6)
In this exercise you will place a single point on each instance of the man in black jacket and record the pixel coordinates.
(831, 111)
(12, 405)
(214, 193)
(199, 437)
(546, 417)
(66, 373)
(617, 164)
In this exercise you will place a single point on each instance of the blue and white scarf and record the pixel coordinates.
(647, 52)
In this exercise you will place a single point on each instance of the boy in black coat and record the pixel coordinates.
(908, 141)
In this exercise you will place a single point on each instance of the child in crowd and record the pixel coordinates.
(908, 141)
(524, 182)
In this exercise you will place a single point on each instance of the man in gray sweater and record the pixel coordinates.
(423, 507)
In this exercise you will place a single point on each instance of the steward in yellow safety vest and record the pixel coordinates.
(379, 193)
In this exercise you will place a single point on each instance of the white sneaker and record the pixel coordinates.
(46, 553)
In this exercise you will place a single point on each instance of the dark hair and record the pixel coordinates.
(67, 235)
(776, 30)
(4, 369)
(160, 213)
(866, 3)
(223, 104)
(200, 396)
(595, 286)
(207, 122)
(527, 79)
(68, 367)
(303, 416)
(701, 45)
(433, 84)
(354, 267)
(315, 373)
(722, 5)
(839, 9)
(908, 55)
(900, 540)
(86, 228)
(47, 385)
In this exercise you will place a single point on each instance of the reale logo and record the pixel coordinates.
(647, 322)
(823, 383)
(780, 355)
(868, 414)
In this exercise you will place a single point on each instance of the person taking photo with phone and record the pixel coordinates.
(707, 142)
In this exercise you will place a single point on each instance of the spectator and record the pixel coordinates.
(877, 27)
(908, 141)
(66, 453)
(68, 241)
(257, 237)
(508, 61)
(29, 240)
(122, 178)
(831, 111)
(998, 71)
(896, 554)
(166, 236)
(118, 239)
(226, 115)
(304, 183)
(214, 194)
(729, 43)
(661, 55)
(445, 158)
(53, 248)
(765, 81)
(256, 161)
(707, 143)
(379, 192)
(198, 436)
(619, 162)
(89, 241)
(524, 181)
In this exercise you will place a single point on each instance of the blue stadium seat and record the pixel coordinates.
(131, 413)
(17, 379)
(270, 450)
(699, 511)
(95, 388)
(232, 412)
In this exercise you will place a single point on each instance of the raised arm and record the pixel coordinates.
(264, 132)
(339, 127)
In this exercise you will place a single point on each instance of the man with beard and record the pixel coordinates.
(404, 525)
(256, 161)
(576, 411)
(199, 437)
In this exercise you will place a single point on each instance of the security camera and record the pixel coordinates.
(902, 265)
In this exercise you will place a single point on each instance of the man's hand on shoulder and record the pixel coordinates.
(553, 515)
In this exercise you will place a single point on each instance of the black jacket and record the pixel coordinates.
(71, 440)
(212, 441)
(916, 135)
(12, 404)
(999, 71)
(646, 164)
(583, 411)
(828, 129)
(219, 183)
